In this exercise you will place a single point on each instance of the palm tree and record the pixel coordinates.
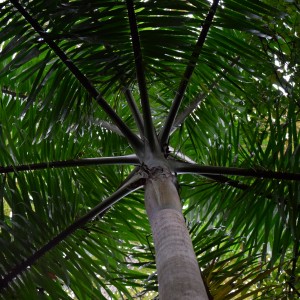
(188, 110)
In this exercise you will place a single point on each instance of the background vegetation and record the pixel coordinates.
(240, 109)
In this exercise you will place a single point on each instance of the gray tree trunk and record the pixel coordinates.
(177, 268)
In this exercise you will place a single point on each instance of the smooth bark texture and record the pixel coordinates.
(177, 267)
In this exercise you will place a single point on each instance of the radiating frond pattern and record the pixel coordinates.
(240, 109)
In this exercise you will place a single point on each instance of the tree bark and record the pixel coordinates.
(177, 268)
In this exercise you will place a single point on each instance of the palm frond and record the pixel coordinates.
(236, 113)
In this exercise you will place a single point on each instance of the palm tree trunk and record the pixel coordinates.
(177, 268)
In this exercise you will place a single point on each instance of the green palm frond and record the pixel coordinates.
(85, 85)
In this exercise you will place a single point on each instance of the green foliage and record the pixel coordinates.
(246, 89)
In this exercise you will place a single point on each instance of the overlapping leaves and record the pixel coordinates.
(246, 116)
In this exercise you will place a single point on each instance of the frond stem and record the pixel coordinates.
(7, 91)
(196, 103)
(165, 133)
(230, 182)
(98, 210)
(134, 109)
(218, 178)
(108, 126)
(115, 160)
(149, 131)
(186, 168)
(129, 98)
(134, 141)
